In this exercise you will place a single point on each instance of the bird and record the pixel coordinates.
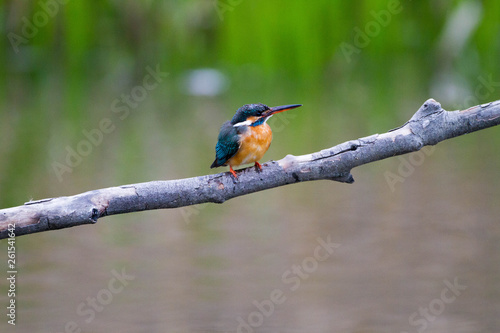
(246, 137)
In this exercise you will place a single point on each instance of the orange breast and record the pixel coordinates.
(254, 144)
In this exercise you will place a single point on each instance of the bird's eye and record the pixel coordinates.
(261, 112)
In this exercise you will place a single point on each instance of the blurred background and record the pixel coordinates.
(104, 93)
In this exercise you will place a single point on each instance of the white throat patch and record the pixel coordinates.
(248, 122)
(243, 123)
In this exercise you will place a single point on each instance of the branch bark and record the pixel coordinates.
(428, 126)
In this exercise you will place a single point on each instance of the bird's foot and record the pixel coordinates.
(258, 166)
(233, 172)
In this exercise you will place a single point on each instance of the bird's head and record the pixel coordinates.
(256, 114)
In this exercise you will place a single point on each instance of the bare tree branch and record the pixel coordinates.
(428, 126)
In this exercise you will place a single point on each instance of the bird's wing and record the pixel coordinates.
(227, 144)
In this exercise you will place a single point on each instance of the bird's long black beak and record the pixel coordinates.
(278, 109)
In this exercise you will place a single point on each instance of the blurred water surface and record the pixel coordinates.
(202, 269)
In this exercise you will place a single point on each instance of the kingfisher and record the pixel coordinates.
(246, 137)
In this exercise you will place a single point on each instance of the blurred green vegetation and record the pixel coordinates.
(64, 79)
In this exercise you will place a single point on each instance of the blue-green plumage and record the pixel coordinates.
(227, 144)
(233, 134)
(228, 141)
(249, 110)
